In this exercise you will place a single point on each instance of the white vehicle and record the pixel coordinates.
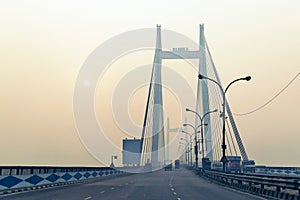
(248, 166)
(217, 166)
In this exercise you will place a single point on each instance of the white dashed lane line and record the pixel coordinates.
(87, 198)
(102, 192)
(171, 187)
(112, 188)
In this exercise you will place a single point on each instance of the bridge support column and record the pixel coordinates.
(158, 140)
(202, 91)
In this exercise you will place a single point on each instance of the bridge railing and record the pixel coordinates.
(16, 178)
(285, 171)
(27, 170)
(265, 185)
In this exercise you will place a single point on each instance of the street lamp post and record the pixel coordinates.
(196, 142)
(112, 160)
(201, 129)
(186, 151)
(190, 158)
(247, 78)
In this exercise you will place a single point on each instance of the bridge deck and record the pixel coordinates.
(177, 184)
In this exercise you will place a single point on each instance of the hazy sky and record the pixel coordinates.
(45, 43)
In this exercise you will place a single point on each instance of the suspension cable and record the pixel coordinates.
(272, 99)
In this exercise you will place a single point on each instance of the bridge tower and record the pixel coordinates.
(153, 146)
(158, 136)
(153, 136)
(202, 92)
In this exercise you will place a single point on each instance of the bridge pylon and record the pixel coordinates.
(153, 143)
(153, 147)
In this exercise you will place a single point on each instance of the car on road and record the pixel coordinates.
(168, 166)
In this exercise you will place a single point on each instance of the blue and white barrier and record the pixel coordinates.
(284, 171)
(61, 175)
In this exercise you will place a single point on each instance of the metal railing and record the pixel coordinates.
(265, 185)
(27, 170)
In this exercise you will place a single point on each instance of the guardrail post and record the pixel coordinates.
(240, 182)
(250, 185)
(278, 189)
(262, 186)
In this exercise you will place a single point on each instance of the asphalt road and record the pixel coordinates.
(176, 185)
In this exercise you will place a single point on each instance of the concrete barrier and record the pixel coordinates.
(16, 183)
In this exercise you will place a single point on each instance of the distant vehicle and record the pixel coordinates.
(217, 166)
(234, 164)
(177, 164)
(168, 165)
(206, 164)
(248, 166)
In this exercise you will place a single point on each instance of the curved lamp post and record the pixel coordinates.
(196, 143)
(247, 78)
(186, 146)
(189, 142)
(188, 149)
(201, 125)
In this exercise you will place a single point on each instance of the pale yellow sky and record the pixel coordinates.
(44, 44)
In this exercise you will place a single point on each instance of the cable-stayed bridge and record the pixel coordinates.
(209, 97)
(214, 137)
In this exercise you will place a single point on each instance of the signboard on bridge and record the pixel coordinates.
(131, 151)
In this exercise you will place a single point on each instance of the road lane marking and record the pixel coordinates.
(112, 188)
(172, 189)
(171, 179)
(102, 191)
(87, 198)
(174, 193)
(126, 183)
(178, 198)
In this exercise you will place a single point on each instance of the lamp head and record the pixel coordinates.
(200, 76)
(216, 110)
(205, 124)
(184, 124)
(185, 132)
(247, 78)
(187, 109)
